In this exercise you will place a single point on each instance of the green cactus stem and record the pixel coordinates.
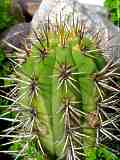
(61, 87)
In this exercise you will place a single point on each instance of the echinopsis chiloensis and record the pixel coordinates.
(67, 95)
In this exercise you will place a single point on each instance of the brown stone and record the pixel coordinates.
(29, 7)
(25, 9)
(17, 36)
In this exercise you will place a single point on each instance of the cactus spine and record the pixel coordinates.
(61, 86)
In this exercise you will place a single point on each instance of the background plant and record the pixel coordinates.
(5, 69)
(113, 7)
(6, 19)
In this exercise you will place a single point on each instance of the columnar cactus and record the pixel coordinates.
(67, 94)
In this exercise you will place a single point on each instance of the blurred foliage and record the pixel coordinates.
(31, 152)
(6, 19)
(5, 66)
(101, 153)
(104, 154)
(113, 7)
(5, 69)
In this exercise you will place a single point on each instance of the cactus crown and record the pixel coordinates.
(65, 88)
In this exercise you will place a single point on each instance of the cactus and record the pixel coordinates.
(67, 95)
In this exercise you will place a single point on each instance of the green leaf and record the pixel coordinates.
(113, 7)
(103, 153)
